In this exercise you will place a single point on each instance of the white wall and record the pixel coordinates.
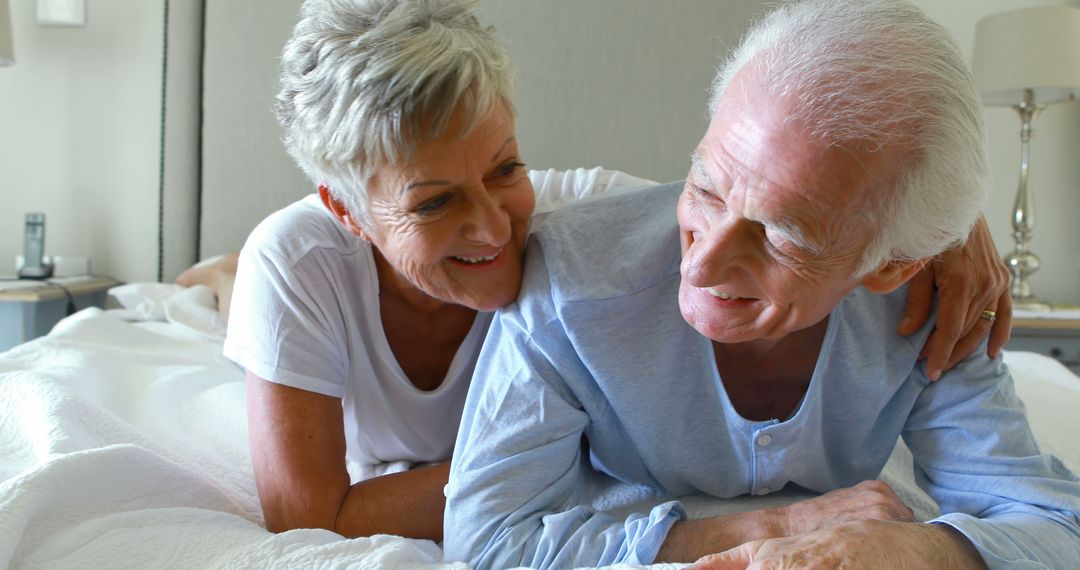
(79, 113)
(80, 136)
(1055, 168)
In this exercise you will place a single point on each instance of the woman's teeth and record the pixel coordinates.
(722, 295)
(478, 259)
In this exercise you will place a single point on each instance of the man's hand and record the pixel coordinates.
(865, 544)
(970, 279)
(869, 500)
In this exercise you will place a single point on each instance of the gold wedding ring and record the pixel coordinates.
(988, 315)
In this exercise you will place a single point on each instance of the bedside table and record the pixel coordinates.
(1058, 338)
(29, 309)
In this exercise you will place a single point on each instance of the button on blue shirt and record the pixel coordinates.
(594, 367)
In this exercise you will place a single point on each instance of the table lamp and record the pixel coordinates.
(1026, 59)
(7, 44)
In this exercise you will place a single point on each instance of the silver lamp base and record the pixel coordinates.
(1022, 262)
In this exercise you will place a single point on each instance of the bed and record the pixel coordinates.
(124, 445)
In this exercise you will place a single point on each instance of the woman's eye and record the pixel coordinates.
(433, 205)
(509, 169)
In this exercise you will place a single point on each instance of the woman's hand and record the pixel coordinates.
(970, 279)
(865, 544)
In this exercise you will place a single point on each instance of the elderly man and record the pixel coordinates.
(844, 150)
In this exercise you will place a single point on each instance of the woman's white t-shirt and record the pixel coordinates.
(305, 313)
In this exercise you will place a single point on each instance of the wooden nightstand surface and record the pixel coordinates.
(1056, 335)
(29, 309)
(36, 291)
(1047, 324)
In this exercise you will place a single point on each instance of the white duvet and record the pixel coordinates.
(124, 445)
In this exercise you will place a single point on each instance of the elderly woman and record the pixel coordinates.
(359, 312)
(738, 347)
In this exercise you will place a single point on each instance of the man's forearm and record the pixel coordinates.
(955, 549)
(689, 540)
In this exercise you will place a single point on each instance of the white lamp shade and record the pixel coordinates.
(1034, 48)
(7, 44)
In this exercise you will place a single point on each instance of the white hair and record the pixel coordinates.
(364, 81)
(880, 73)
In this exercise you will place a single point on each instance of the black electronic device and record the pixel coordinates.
(34, 265)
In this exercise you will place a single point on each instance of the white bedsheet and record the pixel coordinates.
(124, 445)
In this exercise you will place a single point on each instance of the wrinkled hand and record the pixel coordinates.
(969, 279)
(869, 500)
(865, 544)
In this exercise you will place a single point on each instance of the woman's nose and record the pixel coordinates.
(489, 223)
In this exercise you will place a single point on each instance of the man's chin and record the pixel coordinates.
(721, 332)
(704, 327)
(724, 336)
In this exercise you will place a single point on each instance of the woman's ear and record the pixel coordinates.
(892, 275)
(341, 213)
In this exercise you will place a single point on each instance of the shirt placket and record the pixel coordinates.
(762, 441)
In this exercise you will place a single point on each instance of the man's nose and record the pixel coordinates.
(714, 250)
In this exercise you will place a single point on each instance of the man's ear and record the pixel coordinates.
(888, 277)
(341, 213)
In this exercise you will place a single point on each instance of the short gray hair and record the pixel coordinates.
(363, 81)
(880, 72)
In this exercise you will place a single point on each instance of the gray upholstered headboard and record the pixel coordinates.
(617, 83)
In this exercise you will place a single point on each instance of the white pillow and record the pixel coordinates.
(191, 307)
(1051, 394)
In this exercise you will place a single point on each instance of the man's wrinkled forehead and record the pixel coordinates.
(813, 191)
(790, 220)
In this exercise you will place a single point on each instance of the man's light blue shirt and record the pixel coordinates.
(594, 367)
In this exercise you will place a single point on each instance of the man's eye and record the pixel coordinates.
(705, 194)
(776, 251)
(780, 245)
(433, 205)
(776, 246)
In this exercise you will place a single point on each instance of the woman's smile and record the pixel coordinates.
(479, 261)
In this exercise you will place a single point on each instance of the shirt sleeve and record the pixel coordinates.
(518, 463)
(557, 188)
(278, 329)
(975, 454)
